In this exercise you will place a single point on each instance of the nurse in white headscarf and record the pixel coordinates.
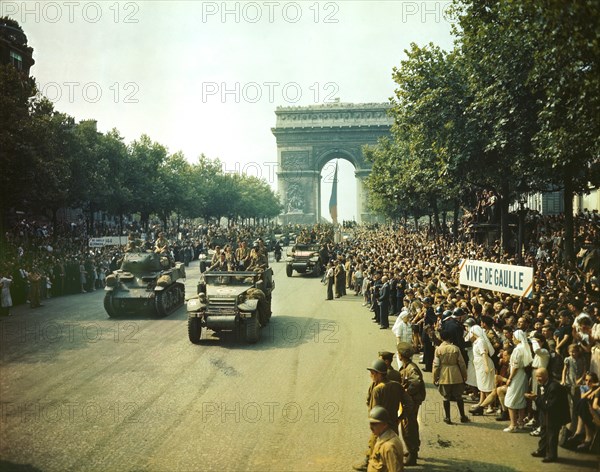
(402, 328)
(484, 366)
(517, 381)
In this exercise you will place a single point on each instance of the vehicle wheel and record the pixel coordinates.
(194, 330)
(108, 305)
(252, 329)
(288, 270)
(159, 303)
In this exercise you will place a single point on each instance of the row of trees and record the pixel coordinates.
(48, 162)
(513, 108)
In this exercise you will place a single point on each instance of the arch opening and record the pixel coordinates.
(347, 204)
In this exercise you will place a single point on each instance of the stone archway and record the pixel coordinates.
(309, 137)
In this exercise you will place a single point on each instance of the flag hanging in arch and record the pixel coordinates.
(333, 198)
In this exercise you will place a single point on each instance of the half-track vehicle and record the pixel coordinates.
(146, 283)
(304, 259)
(238, 301)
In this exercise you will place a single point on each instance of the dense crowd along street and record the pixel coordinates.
(406, 281)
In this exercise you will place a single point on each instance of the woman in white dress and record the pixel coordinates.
(402, 328)
(517, 381)
(471, 374)
(484, 366)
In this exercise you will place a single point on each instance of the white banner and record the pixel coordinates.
(108, 241)
(516, 280)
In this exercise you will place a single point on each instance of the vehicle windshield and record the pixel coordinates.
(229, 278)
(306, 247)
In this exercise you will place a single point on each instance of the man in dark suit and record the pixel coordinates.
(553, 407)
(384, 303)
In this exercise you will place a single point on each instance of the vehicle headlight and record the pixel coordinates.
(314, 259)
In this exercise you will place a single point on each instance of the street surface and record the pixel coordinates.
(80, 391)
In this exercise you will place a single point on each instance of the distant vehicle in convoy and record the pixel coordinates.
(145, 283)
(231, 301)
(304, 259)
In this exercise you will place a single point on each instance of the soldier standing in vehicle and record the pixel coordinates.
(241, 254)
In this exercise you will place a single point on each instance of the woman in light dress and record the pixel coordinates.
(517, 382)
(402, 328)
(484, 366)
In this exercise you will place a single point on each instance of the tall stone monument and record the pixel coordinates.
(309, 137)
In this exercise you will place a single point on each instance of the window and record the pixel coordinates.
(16, 60)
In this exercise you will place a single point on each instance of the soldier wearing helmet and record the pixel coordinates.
(387, 450)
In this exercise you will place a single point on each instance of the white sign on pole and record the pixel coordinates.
(513, 279)
(107, 241)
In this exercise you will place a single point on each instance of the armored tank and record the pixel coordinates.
(145, 284)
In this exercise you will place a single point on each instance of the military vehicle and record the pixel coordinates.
(145, 283)
(305, 259)
(231, 301)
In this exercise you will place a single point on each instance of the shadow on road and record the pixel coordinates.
(6, 466)
(281, 332)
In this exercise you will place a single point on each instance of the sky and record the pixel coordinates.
(206, 77)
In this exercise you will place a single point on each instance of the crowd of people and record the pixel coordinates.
(509, 355)
(40, 261)
(505, 353)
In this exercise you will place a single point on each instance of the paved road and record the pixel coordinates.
(79, 391)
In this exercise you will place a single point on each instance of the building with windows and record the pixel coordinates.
(13, 46)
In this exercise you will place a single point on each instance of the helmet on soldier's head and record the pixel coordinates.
(470, 322)
(379, 414)
(447, 314)
(439, 310)
(379, 366)
(458, 312)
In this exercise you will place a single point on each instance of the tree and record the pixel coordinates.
(497, 57)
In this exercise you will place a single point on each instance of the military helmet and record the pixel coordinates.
(470, 322)
(379, 414)
(439, 310)
(405, 349)
(379, 366)
(447, 314)
(458, 312)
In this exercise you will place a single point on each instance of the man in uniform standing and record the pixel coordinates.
(392, 373)
(412, 381)
(389, 395)
(387, 451)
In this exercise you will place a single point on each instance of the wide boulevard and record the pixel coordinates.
(80, 391)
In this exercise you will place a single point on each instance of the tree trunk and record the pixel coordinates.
(416, 222)
(569, 224)
(436, 216)
(504, 229)
(455, 219)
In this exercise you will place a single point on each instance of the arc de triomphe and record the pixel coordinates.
(309, 137)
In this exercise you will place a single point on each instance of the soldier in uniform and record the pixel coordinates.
(338, 274)
(222, 265)
(388, 394)
(387, 451)
(412, 380)
(134, 243)
(241, 254)
(392, 373)
(258, 260)
(161, 246)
